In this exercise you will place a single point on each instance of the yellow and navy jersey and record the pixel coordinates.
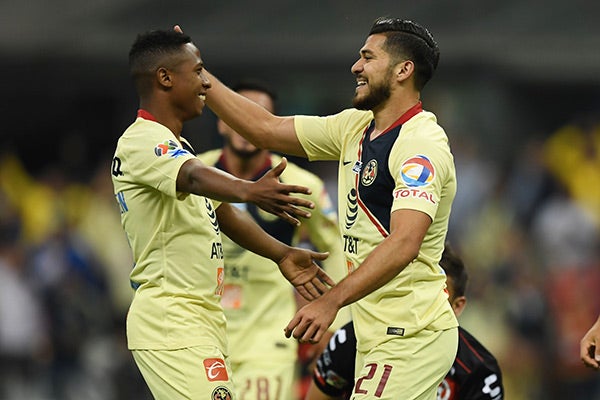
(258, 301)
(175, 240)
(409, 166)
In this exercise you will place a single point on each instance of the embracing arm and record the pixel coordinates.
(267, 193)
(390, 257)
(255, 123)
(296, 264)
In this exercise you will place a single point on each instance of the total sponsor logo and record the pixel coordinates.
(417, 171)
(414, 193)
(215, 369)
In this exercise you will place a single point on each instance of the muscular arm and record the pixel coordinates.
(297, 265)
(267, 193)
(259, 126)
(390, 257)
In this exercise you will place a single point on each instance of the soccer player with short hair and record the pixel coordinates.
(396, 186)
(175, 324)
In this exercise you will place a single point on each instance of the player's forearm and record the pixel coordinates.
(243, 115)
(197, 178)
(244, 231)
(383, 264)
(254, 122)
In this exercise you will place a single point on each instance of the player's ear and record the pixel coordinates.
(404, 70)
(164, 77)
(458, 304)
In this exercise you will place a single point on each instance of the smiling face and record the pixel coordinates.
(373, 74)
(189, 85)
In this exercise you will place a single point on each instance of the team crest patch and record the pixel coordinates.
(369, 173)
(169, 147)
(221, 393)
(417, 171)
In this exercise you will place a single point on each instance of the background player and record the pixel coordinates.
(175, 324)
(257, 301)
(475, 374)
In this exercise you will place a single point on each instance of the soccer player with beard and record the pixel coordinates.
(396, 182)
(257, 301)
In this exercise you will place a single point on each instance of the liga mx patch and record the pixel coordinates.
(417, 171)
(169, 147)
(215, 370)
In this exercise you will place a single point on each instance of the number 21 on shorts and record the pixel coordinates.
(362, 382)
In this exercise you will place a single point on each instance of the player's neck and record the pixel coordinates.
(164, 116)
(386, 115)
(245, 167)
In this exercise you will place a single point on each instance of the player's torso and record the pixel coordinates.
(176, 242)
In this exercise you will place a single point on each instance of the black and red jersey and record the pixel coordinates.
(475, 374)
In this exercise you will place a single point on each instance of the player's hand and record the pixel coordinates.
(590, 347)
(312, 321)
(300, 269)
(274, 197)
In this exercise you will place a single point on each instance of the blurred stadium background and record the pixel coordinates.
(517, 90)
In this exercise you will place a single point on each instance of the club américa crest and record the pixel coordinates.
(369, 173)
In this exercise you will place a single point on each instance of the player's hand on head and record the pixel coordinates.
(300, 269)
(274, 197)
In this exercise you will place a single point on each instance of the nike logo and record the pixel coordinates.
(346, 162)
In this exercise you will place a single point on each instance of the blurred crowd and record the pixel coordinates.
(529, 233)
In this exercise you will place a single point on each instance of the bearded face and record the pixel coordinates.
(376, 92)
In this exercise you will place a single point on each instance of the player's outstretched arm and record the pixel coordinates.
(254, 122)
(267, 193)
(390, 257)
(590, 346)
(297, 265)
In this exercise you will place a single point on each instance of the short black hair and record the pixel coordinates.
(455, 269)
(406, 38)
(151, 49)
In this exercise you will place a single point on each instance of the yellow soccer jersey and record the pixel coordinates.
(176, 244)
(408, 166)
(258, 301)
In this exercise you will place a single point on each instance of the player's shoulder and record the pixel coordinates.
(209, 157)
(473, 350)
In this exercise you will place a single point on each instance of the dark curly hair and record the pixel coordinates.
(406, 39)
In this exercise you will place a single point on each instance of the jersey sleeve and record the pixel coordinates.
(322, 137)
(154, 159)
(420, 166)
